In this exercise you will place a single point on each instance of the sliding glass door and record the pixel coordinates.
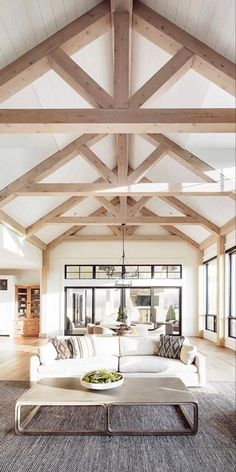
(78, 308)
(167, 308)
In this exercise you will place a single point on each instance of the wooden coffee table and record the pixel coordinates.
(68, 392)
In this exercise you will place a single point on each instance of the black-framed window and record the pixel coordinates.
(210, 289)
(140, 271)
(159, 305)
(232, 293)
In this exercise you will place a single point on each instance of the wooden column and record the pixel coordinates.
(44, 290)
(221, 290)
(200, 301)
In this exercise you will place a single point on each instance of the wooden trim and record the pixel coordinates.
(118, 220)
(139, 189)
(185, 120)
(186, 210)
(47, 166)
(34, 63)
(97, 163)
(164, 79)
(79, 80)
(170, 37)
(147, 164)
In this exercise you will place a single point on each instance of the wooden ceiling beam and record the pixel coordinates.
(122, 54)
(97, 163)
(58, 211)
(122, 152)
(164, 78)
(207, 242)
(117, 237)
(147, 165)
(10, 223)
(79, 80)
(185, 120)
(186, 210)
(118, 220)
(137, 206)
(170, 37)
(108, 205)
(139, 189)
(34, 63)
(47, 167)
(228, 227)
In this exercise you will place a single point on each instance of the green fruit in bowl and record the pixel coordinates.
(102, 376)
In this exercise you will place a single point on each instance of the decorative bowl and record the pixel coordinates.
(105, 379)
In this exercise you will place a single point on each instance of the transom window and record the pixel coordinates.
(111, 271)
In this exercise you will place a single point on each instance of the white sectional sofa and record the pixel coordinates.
(132, 356)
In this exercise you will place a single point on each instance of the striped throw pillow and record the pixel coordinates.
(82, 346)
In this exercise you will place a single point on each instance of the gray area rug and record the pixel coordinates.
(211, 450)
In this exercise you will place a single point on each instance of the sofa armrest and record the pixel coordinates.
(34, 364)
(200, 362)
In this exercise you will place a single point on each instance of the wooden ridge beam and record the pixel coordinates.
(79, 80)
(182, 120)
(139, 189)
(34, 63)
(164, 78)
(186, 210)
(147, 164)
(170, 37)
(47, 167)
(118, 220)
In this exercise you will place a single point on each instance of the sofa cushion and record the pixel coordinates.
(105, 345)
(188, 354)
(47, 353)
(170, 346)
(82, 346)
(79, 366)
(138, 345)
(63, 347)
(154, 364)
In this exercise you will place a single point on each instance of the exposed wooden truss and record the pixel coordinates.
(170, 37)
(178, 120)
(121, 115)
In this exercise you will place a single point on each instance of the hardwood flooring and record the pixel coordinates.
(15, 355)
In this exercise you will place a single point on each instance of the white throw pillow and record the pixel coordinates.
(82, 346)
(188, 354)
(47, 353)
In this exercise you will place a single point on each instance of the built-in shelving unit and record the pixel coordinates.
(27, 310)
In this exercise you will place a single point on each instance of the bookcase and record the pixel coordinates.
(27, 310)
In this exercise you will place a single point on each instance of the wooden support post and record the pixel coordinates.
(220, 291)
(200, 308)
(44, 291)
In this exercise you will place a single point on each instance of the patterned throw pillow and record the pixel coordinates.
(169, 346)
(82, 346)
(64, 348)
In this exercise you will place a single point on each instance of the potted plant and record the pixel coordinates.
(170, 316)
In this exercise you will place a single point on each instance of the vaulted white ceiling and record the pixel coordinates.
(25, 23)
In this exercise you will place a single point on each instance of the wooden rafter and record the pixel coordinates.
(58, 211)
(71, 38)
(46, 167)
(186, 210)
(170, 37)
(108, 205)
(79, 80)
(137, 206)
(97, 163)
(185, 157)
(139, 189)
(164, 79)
(9, 222)
(117, 237)
(228, 227)
(147, 165)
(178, 120)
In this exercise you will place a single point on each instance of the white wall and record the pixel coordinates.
(7, 306)
(52, 319)
(16, 252)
